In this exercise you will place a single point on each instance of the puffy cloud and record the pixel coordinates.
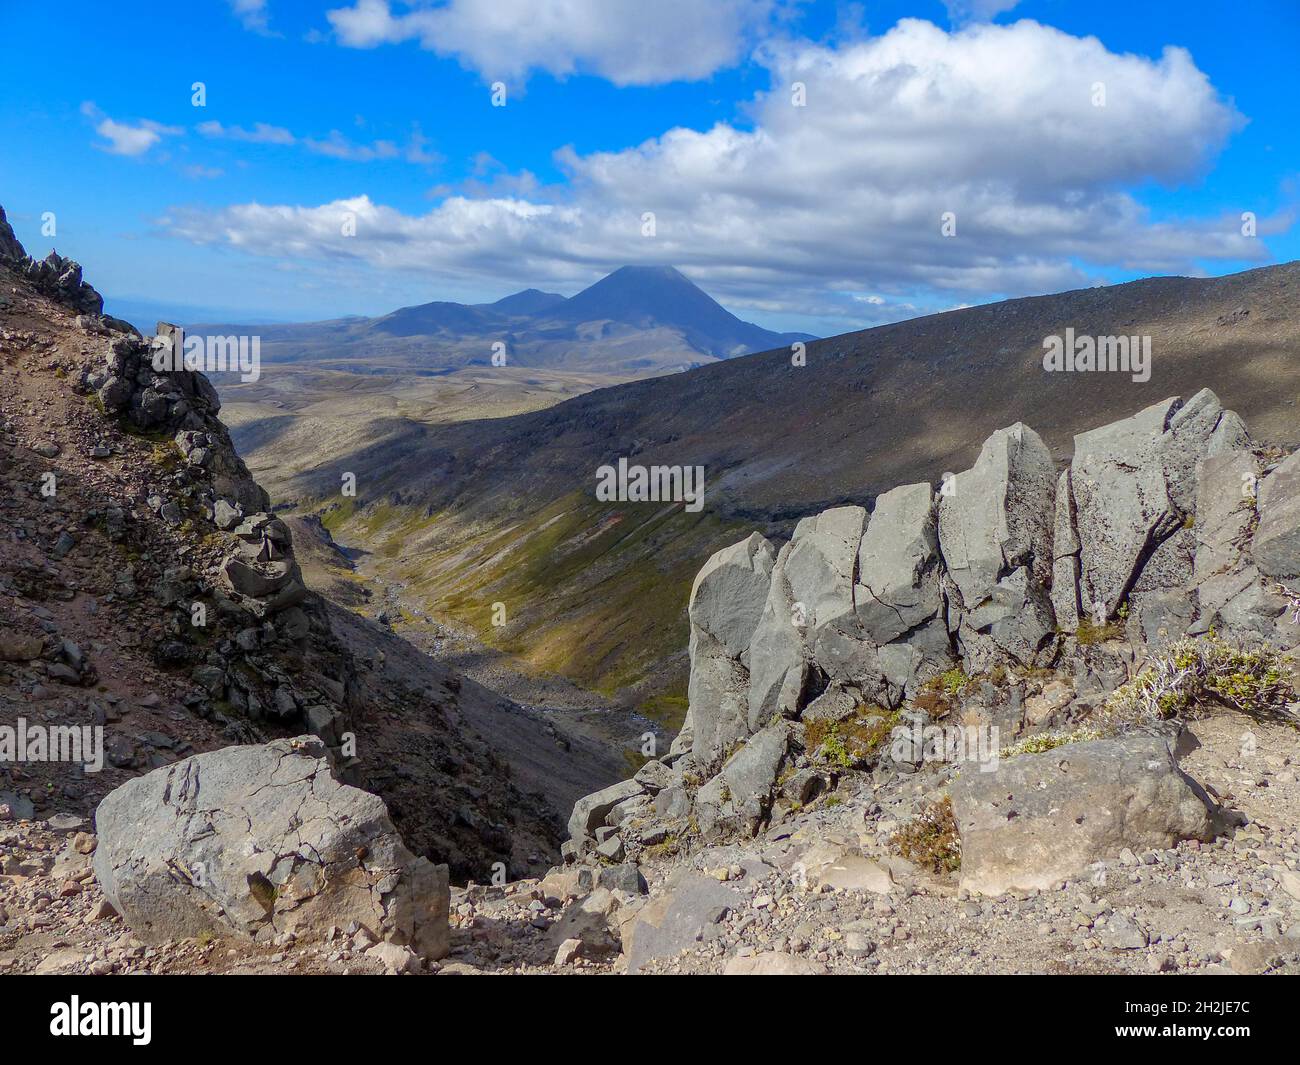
(620, 40)
(123, 138)
(810, 207)
(253, 14)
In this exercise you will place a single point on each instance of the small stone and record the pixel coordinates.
(569, 952)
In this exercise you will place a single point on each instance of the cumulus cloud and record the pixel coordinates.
(252, 14)
(125, 138)
(808, 208)
(623, 41)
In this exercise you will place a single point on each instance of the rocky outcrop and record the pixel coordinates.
(54, 276)
(1044, 818)
(261, 842)
(798, 654)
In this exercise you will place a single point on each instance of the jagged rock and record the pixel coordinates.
(1276, 547)
(998, 515)
(726, 602)
(687, 910)
(260, 840)
(1225, 511)
(1043, 818)
(898, 564)
(778, 656)
(10, 250)
(821, 567)
(995, 534)
(728, 594)
(1134, 486)
(590, 811)
(718, 709)
(752, 771)
(1065, 557)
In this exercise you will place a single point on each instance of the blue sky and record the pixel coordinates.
(1072, 143)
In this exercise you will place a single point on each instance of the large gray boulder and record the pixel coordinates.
(995, 533)
(998, 515)
(1134, 488)
(898, 564)
(1225, 511)
(726, 605)
(820, 568)
(1065, 557)
(1043, 818)
(261, 840)
(1276, 547)
(779, 656)
(729, 592)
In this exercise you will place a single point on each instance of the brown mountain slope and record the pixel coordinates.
(503, 510)
(108, 545)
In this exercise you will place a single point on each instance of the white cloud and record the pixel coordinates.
(253, 14)
(335, 145)
(260, 133)
(815, 205)
(123, 138)
(624, 41)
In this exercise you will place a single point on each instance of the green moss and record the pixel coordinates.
(852, 741)
(1089, 632)
(931, 841)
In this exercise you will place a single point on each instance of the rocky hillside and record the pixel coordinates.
(1041, 720)
(997, 681)
(504, 510)
(146, 587)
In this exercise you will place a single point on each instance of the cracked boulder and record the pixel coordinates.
(257, 841)
(1134, 489)
(1043, 818)
(1276, 547)
(996, 523)
(727, 602)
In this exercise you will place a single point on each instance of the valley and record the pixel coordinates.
(466, 511)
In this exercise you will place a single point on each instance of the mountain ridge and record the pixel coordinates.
(637, 321)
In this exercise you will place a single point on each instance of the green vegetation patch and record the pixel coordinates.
(1191, 675)
(931, 841)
